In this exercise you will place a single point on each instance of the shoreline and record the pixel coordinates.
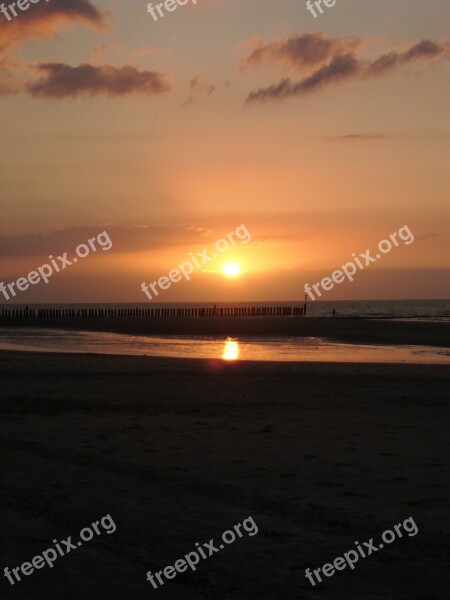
(348, 330)
(437, 358)
(153, 365)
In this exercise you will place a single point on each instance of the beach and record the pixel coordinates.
(178, 450)
(352, 331)
(224, 300)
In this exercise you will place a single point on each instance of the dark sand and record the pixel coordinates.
(355, 331)
(177, 451)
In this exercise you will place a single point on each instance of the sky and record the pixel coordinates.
(322, 135)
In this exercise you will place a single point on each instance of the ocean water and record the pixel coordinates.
(311, 349)
(216, 347)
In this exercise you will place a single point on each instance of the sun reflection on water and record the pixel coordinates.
(230, 349)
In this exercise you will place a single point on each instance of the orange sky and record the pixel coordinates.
(322, 136)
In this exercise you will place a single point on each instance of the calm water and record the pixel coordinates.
(274, 349)
(214, 347)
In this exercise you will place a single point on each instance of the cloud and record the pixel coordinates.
(300, 52)
(59, 80)
(40, 20)
(341, 66)
(427, 236)
(198, 87)
(339, 69)
(423, 50)
(357, 137)
(139, 238)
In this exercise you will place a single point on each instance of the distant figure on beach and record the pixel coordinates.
(334, 313)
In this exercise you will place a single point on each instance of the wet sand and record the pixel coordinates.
(177, 451)
(357, 331)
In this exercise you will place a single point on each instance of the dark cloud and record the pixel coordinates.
(59, 80)
(349, 66)
(303, 51)
(40, 20)
(423, 50)
(385, 63)
(339, 69)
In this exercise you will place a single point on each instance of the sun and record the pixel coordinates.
(231, 269)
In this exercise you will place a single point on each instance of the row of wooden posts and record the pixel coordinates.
(9, 314)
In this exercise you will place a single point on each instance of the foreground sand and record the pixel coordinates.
(177, 451)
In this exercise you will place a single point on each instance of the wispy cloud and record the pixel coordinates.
(313, 48)
(356, 137)
(197, 86)
(423, 50)
(339, 69)
(139, 238)
(300, 52)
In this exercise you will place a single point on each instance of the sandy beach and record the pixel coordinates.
(224, 300)
(177, 451)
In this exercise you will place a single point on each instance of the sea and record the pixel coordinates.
(262, 348)
(428, 310)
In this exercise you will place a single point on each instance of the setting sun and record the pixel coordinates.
(231, 270)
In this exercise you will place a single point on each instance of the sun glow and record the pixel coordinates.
(231, 269)
(231, 349)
